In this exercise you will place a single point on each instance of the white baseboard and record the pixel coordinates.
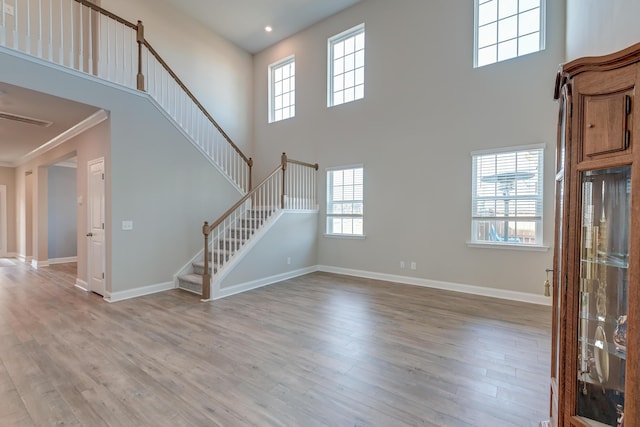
(138, 292)
(447, 286)
(243, 287)
(39, 264)
(81, 284)
(23, 258)
(53, 261)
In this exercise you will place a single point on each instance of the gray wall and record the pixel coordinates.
(155, 178)
(215, 70)
(596, 27)
(62, 202)
(7, 177)
(292, 238)
(425, 110)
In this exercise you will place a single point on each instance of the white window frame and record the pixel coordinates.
(482, 223)
(330, 201)
(517, 38)
(357, 70)
(273, 93)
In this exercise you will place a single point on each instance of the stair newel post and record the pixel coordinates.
(140, 40)
(284, 172)
(206, 277)
(250, 163)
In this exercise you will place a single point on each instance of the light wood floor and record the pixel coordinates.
(320, 350)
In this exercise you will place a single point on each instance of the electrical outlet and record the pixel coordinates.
(413, 265)
(288, 260)
(9, 10)
(402, 265)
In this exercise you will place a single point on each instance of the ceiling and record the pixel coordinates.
(239, 21)
(17, 139)
(243, 21)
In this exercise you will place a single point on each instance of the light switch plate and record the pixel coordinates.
(127, 225)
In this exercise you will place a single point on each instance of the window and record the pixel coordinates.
(345, 192)
(507, 196)
(507, 28)
(346, 66)
(282, 90)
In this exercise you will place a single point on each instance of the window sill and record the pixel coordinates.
(345, 236)
(508, 246)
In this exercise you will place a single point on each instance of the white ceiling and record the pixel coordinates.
(18, 139)
(243, 21)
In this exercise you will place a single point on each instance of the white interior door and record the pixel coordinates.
(95, 236)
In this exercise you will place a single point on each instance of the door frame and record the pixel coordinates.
(88, 227)
(3, 221)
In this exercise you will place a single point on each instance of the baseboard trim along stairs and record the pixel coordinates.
(227, 251)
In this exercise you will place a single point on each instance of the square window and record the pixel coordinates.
(499, 22)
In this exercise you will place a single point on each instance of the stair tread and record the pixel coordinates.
(201, 263)
(193, 278)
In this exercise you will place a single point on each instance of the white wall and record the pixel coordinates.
(217, 72)
(596, 27)
(425, 110)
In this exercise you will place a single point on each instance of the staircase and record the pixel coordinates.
(232, 242)
(133, 63)
(291, 186)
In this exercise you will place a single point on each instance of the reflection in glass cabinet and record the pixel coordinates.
(604, 262)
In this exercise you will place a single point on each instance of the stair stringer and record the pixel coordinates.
(234, 261)
(217, 277)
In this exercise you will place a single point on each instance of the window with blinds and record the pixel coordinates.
(507, 191)
(345, 201)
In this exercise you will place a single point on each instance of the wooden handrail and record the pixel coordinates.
(209, 228)
(298, 162)
(248, 160)
(140, 78)
(246, 197)
(107, 13)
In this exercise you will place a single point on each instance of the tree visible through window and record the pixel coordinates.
(507, 28)
(345, 201)
(507, 196)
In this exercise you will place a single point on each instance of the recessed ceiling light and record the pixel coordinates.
(268, 28)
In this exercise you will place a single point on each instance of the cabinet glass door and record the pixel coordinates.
(602, 327)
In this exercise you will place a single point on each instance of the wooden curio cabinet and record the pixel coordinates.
(596, 273)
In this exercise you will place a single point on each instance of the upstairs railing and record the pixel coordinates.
(80, 35)
(292, 185)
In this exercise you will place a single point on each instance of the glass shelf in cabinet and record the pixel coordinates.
(608, 320)
(610, 347)
(608, 261)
